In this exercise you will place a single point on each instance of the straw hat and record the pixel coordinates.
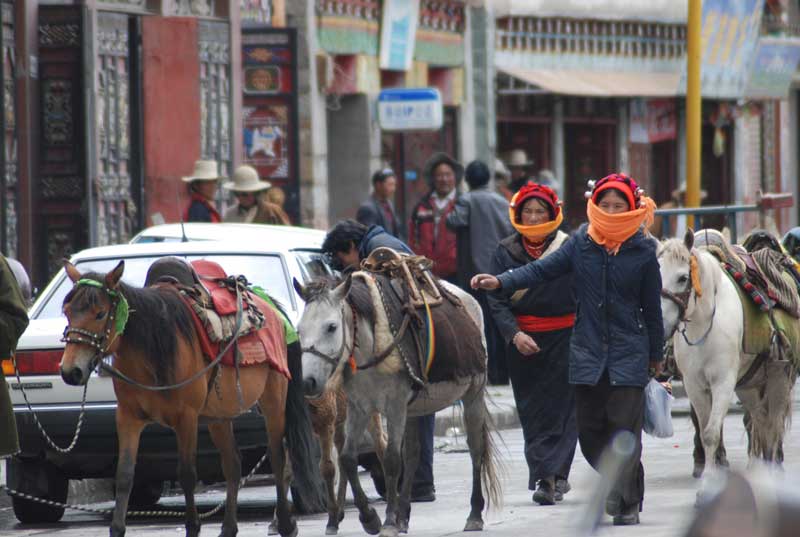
(245, 179)
(680, 192)
(518, 158)
(204, 170)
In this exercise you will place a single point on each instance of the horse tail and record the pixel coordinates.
(304, 451)
(491, 467)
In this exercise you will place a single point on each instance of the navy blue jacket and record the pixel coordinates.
(618, 322)
(375, 237)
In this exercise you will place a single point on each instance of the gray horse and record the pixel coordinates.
(347, 341)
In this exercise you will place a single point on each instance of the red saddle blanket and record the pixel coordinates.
(266, 345)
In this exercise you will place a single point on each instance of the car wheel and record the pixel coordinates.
(42, 480)
(145, 494)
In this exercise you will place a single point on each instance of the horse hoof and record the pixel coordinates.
(273, 527)
(402, 526)
(292, 532)
(229, 532)
(331, 530)
(388, 531)
(371, 523)
(474, 525)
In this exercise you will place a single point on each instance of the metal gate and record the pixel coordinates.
(215, 94)
(9, 239)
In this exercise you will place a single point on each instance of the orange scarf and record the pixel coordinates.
(611, 230)
(537, 232)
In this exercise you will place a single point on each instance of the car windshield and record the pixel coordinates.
(312, 265)
(263, 270)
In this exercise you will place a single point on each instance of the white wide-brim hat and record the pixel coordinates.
(245, 179)
(518, 158)
(204, 170)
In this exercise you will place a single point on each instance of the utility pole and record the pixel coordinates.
(693, 107)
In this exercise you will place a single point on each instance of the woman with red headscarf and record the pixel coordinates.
(618, 334)
(536, 324)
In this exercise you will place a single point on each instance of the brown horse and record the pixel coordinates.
(158, 344)
(328, 416)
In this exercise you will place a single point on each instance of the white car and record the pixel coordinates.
(268, 256)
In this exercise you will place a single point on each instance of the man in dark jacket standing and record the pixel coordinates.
(428, 233)
(480, 220)
(378, 210)
(13, 321)
(348, 243)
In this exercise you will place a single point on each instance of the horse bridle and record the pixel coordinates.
(334, 359)
(682, 301)
(99, 342)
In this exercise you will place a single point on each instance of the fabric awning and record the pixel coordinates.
(599, 84)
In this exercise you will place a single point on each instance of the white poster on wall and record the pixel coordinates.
(398, 33)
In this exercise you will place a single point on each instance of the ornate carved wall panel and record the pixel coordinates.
(9, 239)
(112, 189)
(215, 93)
(61, 191)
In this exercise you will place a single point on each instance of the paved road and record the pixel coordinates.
(668, 503)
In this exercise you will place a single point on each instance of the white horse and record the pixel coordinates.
(704, 316)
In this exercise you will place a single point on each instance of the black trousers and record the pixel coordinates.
(602, 411)
(497, 365)
(423, 477)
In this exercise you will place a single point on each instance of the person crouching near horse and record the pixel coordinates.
(536, 324)
(618, 332)
(349, 243)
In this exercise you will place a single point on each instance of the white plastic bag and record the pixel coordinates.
(657, 410)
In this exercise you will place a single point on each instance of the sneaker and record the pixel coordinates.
(545, 492)
(628, 517)
(427, 494)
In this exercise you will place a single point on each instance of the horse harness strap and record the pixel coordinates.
(102, 341)
(682, 301)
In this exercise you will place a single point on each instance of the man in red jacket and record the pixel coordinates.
(428, 234)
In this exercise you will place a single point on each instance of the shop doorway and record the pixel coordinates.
(590, 153)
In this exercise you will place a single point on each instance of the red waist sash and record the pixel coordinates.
(532, 323)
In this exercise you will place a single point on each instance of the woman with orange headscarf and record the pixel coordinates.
(618, 334)
(536, 324)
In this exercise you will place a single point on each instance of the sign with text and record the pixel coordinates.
(402, 109)
(774, 65)
(662, 123)
(398, 34)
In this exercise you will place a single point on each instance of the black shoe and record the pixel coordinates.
(427, 494)
(562, 487)
(545, 492)
(628, 517)
(612, 506)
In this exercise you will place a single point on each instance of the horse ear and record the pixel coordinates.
(113, 277)
(341, 292)
(72, 272)
(688, 239)
(300, 289)
(726, 234)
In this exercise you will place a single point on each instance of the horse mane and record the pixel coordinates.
(157, 315)
(674, 250)
(359, 297)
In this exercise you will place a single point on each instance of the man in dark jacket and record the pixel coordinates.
(348, 243)
(480, 220)
(428, 233)
(13, 321)
(378, 210)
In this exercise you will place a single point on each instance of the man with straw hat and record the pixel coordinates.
(203, 190)
(252, 207)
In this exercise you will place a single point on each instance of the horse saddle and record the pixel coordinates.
(412, 270)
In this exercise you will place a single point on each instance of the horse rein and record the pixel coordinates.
(681, 300)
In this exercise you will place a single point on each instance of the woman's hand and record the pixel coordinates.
(484, 281)
(525, 344)
(657, 367)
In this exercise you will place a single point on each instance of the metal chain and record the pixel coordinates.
(47, 438)
(83, 508)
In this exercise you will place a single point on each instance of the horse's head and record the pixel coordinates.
(680, 276)
(96, 314)
(325, 333)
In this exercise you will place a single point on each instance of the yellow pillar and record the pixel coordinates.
(693, 106)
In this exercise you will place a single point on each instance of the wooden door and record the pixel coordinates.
(590, 151)
(62, 216)
(9, 240)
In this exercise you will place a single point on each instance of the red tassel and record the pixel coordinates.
(758, 300)
(352, 362)
(738, 275)
(748, 287)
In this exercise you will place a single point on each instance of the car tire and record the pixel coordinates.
(145, 494)
(42, 480)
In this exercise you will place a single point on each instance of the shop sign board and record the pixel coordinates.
(398, 34)
(774, 65)
(652, 121)
(730, 31)
(409, 109)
